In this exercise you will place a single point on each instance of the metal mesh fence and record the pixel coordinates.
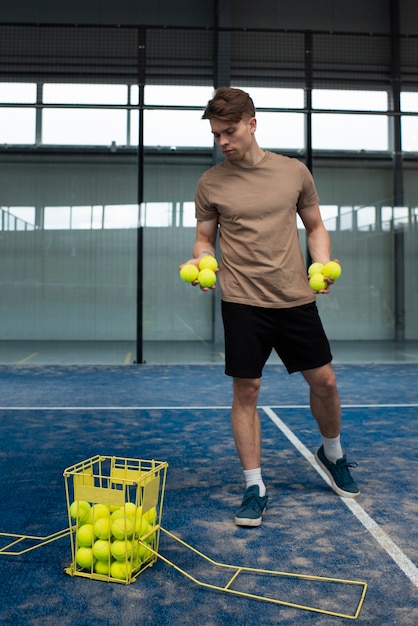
(201, 56)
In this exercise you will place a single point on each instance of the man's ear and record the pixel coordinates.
(252, 123)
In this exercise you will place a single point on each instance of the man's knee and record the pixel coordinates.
(246, 389)
(322, 380)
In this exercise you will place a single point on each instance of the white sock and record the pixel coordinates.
(332, 448)
(253, 477)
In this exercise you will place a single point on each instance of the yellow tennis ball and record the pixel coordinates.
(130, 509)
(122, 527)
(81, 511)
(121, 571)
(100, 510)
(208, 262)
(150, 515)
(315, 268)
(120, 512)
(121, 549)
(317, 282)
(142, 527)
(101, 550)
(144, 553)
(102, 567)
(332, 270)
(102, 528)
(85, 535)
(189, 273)
(206, 278)
(84, 557)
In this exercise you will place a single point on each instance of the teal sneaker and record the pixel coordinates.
(339, 475)
(252, 508)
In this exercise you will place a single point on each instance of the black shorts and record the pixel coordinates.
(251, 333)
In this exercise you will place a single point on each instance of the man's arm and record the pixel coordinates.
(206, 232)
(318, 240)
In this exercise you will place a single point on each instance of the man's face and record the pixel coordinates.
(234, 138)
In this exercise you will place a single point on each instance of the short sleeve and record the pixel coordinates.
(204, 210)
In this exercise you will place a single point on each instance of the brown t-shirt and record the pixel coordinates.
(261, 259)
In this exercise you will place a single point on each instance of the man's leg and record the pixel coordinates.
(326, 409)
(246, 429)
(324, 399)
(246, 422)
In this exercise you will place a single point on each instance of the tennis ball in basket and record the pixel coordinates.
(121, 550)
(81, 511)
(189, 273)
(142, 526)
(332, 270)
(130, 509)
(150, 515)
(102, 567)
(117, 514)
(122, 527)
(317, 282)
(121, 571)
(101, 550)
(144, 553)
(206, 278)
(102, 528)
(84, 557)
(100, 510)
(315, 268)
(85, 535)
(208, 262)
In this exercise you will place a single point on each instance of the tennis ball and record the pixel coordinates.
(332, 270)
(121, 571)
(102, 528)
(121, 550)
(85, 535)
(117, 514)
(142, 527)
(317, 282)
(315, 268)
(130, 509)
(81, 511)
(150, 515)
(208, 262)
(122, 528)
(84, 557)
(100, 510)
(102, 567)
(189, 273)
(101, 550)
(144, 553)
(206, 278)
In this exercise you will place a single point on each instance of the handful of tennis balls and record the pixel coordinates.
(204, 274)
(318, 272)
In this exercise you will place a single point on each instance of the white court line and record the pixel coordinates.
(401, 560)
(115, 408)
(162, 407)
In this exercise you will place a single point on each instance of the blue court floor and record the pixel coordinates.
(54, 416)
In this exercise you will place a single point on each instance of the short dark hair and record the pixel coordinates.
(229, 104)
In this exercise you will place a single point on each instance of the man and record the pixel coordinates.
(253, 197)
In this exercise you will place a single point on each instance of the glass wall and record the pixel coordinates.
(89, 164)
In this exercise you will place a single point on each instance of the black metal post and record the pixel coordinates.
(398, 191)
(140, 198)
